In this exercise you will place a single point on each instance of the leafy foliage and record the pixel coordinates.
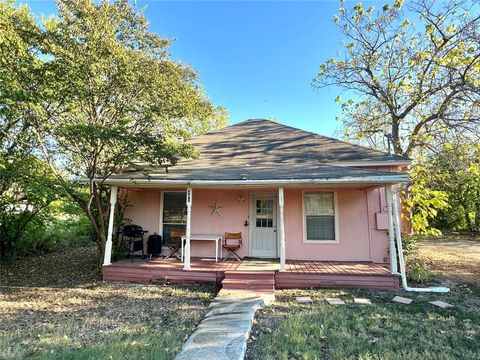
(419, 272)
(91, 92)
(423, 202)
(27, 189)
(455, 170)
(417, 80)
(26, 186)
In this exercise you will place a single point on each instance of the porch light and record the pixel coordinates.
(243, 176)
(241, 199)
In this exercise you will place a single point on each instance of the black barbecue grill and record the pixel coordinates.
(135, 235)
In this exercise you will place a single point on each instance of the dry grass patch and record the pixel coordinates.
(49, 311)
(117, 320)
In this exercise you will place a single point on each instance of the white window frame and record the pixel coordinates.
(304, 218)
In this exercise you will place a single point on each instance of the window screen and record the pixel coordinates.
(174, 212)
(320, 215)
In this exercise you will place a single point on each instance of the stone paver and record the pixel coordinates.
(223, 333)
(304, 300)
(335, 301)
(362, 301)
(402, 300)
(441, 304)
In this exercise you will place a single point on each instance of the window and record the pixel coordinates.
(264, 213)
(320, 217)
(174, 212)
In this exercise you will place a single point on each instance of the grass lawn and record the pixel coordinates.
(52, 312)
(384, 330)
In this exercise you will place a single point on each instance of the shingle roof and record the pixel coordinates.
(261, 149)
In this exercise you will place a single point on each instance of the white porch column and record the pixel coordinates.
(391, 231)
(107, 260)
(281, 228)
(186, 258)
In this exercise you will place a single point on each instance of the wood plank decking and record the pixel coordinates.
(298, 274)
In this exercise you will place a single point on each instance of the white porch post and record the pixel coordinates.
(107, 260)
(186, 258)
(281, 228)
(391, 231)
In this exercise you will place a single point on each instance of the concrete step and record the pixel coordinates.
(268, 296)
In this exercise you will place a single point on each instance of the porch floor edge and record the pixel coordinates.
(311, 275)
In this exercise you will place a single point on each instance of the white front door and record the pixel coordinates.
(264, 227)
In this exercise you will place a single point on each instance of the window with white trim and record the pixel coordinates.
(319, 212)
(174, 212)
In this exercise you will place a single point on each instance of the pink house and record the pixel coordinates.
(319, 209)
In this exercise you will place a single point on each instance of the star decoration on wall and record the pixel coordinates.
(215, 208)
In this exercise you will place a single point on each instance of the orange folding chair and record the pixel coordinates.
(232, 242)
(175, 243)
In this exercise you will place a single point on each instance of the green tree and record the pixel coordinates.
(455, 170)
(28, 188)
(113, 100)
(26, 185)
(422, 201)
(417, 79)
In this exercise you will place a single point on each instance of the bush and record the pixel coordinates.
(410, 244)
(418, 272)
(60, 227)
(119, 250)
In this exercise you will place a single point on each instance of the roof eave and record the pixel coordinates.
(396, 179)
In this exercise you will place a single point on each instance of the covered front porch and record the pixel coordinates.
(346, 222)
(297, 273)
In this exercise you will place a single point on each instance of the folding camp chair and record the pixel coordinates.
(231, 243)
(175, 244)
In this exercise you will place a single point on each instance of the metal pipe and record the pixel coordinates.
(391, 231)
(403, 272)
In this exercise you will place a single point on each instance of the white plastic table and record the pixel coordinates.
(205, 237)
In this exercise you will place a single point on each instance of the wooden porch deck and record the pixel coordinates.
(298, 274)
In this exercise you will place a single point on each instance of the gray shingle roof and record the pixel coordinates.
(265, 150)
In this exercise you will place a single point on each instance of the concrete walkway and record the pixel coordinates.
(223, 333)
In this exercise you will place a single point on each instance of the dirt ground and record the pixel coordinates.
(455, 258)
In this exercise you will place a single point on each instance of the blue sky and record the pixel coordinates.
(255, 58)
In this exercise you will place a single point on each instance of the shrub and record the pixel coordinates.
(418, 272)
(119, 250)
(60, 227)
(410, 244)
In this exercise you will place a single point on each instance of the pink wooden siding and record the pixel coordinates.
(144, 209)
(359, 239)
(353, 237)
(232, 217)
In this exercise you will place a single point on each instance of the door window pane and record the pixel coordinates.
(264, 213)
